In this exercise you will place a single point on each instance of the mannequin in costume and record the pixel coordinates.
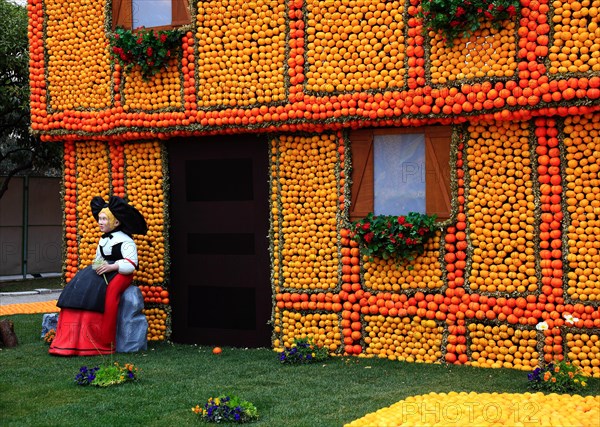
(89, 304)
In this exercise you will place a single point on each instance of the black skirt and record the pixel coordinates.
(86, 291)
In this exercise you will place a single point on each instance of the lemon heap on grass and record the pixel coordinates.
(487, 409)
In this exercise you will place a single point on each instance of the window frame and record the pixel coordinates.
(438, 143)
(122, 15)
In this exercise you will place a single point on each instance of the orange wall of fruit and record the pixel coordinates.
(520, 250)
(306, 65)
(524, 101)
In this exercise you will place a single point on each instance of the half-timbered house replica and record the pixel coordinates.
(253, 134)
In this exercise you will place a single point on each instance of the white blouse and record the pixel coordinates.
(128, 263)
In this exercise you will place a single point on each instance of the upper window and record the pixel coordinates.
(159, 14)
(396, 171)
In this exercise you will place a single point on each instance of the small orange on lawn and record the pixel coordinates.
(217, 350)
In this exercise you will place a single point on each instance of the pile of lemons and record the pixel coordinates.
(487, 409)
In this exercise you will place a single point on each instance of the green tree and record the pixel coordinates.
(20, 151)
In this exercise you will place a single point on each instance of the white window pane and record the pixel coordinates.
(151, 13)
(399, 172)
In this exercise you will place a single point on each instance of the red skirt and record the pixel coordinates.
(89, 333)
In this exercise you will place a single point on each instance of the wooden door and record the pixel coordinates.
(219, 212)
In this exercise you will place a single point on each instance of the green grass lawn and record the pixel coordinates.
(37, 389)
(30, 284)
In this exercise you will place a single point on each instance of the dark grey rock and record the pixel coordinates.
(132, 326)
(49, 321)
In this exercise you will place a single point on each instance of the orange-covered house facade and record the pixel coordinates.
(252, 152)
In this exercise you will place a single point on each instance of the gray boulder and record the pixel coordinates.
(49, 322)
(132, 326)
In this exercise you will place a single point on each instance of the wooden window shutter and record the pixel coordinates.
(122, 16)
(362, 197)
(180, 13)
(437, 178)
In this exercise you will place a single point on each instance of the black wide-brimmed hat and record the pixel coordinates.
(132, 221)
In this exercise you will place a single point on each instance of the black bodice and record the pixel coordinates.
(115, 254)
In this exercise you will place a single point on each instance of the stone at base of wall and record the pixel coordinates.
(49, 322)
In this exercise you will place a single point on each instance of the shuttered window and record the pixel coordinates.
(124, 14)
(435, 172)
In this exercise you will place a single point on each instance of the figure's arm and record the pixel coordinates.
(125, 265)
(129, 262)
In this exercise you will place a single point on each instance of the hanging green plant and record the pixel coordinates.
(150, 49)
(401, 237)
(458, 18)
